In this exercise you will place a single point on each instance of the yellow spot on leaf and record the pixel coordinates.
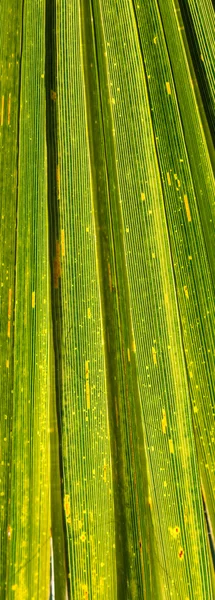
(174, 531)
(133, 346)
(180, 553)
(143, 196)
(7, 364)
(186, 291)
(85, 591)
(9, 532)
(67, 506)
(171, 447)
(168, 179)
(9, 311)
(164, 421)
(89, 313)
(2, 110)
(9, 303)
(33, 299)
(129, 358)
(154, 356)
(62, 242)
(187, 208)
(87, 384)
(168, 88)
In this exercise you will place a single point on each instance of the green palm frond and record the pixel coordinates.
(107, 300)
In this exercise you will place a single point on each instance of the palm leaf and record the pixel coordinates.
(107, 376)
(26, 477)
(190, 238)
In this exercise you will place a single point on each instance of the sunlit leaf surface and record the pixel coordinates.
(107, 300)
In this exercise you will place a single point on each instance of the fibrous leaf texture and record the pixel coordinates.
(107, 277)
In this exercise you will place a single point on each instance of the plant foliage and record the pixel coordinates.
(107, 267)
